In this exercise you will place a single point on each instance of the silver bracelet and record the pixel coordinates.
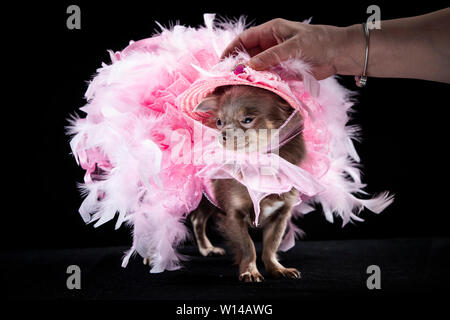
(361, 80)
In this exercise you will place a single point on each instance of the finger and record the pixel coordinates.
(254, 51)
(244, 41)
(272, 56)
(251, 39)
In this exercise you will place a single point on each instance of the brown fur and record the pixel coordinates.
(232, 104)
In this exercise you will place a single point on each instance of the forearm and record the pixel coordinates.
(416, 47)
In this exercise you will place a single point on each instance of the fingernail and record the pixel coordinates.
(255, 63)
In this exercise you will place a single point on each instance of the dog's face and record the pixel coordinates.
(244, 115)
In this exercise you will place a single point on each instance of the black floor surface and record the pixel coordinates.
(329, 269)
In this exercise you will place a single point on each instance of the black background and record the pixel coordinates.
(403, 121)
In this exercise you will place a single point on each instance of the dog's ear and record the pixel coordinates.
(208, 104)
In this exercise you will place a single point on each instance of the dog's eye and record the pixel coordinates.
(219, 122)
(247, 120)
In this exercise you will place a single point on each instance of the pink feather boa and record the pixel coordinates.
(134, 126)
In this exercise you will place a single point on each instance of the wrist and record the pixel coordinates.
(350, 50)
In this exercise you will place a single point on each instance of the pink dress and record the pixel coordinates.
(143, 147)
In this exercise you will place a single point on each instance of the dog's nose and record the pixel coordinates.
(224, 136)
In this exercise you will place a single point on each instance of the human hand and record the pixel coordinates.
(279, 40)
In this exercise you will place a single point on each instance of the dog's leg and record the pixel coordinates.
(236, 231)
(199, 218)
(273, 232)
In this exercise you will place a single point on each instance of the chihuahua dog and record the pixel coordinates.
(242, 107)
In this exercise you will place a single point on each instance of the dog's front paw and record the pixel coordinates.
(289, 273)
(251, 276)
(212, 251)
